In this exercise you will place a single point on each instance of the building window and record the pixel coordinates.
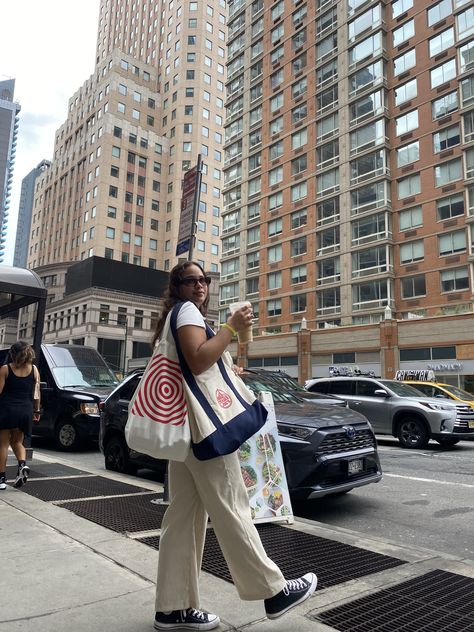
(452, 243)
(413, 286)
(409, 186)
(411, 218)
(412, 251)
(448, 172)
(274, 307)
(404, 62)
(404, 32)
(446, 138)
(406, 92)
(454, 280)
(442, 74)
(408, 154)
(274, 254)
(298, 274)
(449, 207)
(299, 218)
(329, 301)
(439, 12)
(298, 303)
(406, 122)
(298, 246)
(401, 6)
(441, 42)
(274, 281)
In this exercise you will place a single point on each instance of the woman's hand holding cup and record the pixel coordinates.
(241, 320)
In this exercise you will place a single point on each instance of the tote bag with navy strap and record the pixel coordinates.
(222, 411)
(157, 422)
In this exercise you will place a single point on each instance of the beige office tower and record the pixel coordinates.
(349, 163)
(153, 104)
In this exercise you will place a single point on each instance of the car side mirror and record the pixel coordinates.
(381, 393)
(44, 386)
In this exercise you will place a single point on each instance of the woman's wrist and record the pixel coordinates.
(230, 328)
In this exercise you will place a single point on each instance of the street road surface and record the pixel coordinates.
(425, 498)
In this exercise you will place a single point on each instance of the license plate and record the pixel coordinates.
(471, 424)
(355, 466)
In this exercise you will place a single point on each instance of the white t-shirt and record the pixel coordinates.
(190, 315)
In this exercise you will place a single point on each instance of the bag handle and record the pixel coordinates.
(190, 378)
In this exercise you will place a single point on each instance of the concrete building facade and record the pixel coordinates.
(25, 212)
(133, 129)
(9, 122)
(349, 161)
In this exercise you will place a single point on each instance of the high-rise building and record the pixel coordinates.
(349, 161)
(154, 103)
(9, 111)
(25, 211)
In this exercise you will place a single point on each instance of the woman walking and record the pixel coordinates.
(19, 405)
(214, 488)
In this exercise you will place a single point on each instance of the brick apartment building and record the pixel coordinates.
(349, 161)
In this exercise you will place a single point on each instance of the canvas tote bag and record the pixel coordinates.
(157, 422)
(223, 412)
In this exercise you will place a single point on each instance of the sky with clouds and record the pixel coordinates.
(48, 47)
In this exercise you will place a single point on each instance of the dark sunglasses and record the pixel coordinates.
(188, 281)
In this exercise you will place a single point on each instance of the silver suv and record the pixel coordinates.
(396, 408)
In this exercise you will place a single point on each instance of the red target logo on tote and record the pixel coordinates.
(223, 399)
(160, 396)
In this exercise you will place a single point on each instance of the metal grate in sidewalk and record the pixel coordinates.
(123, 513)
(79, 487)
(296, 553)
(435, 602)
(39, 469)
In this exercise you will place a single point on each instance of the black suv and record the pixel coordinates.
(327, 448)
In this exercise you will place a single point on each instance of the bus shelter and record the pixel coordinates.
(20, 287)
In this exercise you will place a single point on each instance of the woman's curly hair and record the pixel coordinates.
(21, 353)
(172, 295)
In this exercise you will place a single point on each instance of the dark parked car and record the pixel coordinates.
(74, 380)
(327, 448)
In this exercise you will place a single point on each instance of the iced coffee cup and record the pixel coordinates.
(245, 335)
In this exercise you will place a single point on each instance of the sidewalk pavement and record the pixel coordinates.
(62, 572)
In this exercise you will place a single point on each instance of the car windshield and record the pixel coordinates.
(458, 392)
(80, 366)
(401, 389)
(280, 391)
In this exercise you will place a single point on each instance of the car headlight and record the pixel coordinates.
(434, 406)
(297, 432)
(89, 408)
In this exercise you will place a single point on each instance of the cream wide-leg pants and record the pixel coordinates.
(214, 487)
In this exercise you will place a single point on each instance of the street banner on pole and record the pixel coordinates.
(189, 201)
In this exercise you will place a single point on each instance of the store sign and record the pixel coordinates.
(452, 366)
(422, 375)
(348, 371)
(263, 471)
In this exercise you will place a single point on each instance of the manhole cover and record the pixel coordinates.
(435, 602)
(80, 487)
(129, 513)
(297, 553)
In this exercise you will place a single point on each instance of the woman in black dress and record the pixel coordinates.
(19, 404)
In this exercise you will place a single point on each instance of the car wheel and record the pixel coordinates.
(66, 435)
(447, 442)
(412, 433)
(117, 456)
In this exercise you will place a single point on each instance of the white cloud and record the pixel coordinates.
(49, 48)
